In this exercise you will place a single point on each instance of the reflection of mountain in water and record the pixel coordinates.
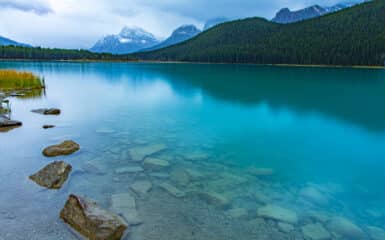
(352, 95)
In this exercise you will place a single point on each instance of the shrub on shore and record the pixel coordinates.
(14, 80)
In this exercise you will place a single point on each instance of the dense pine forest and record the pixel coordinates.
(14, 52)
(354, 36)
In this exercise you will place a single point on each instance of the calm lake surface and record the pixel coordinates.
(308, 143)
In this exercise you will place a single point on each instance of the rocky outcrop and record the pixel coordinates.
(47, 111)
(92, 221)
(64, 148)
(53, 175)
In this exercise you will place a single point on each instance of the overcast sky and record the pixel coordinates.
(80, 23)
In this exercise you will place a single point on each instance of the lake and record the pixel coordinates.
(254, 152)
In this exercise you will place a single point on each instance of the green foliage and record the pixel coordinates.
(13, 80)
(354, 36)
(14, 52)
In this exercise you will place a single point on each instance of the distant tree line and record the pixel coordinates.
(17, 52)
(354, 36)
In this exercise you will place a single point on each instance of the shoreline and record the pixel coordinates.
(203, 63)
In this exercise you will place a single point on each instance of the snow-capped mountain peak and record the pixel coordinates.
(129, 40)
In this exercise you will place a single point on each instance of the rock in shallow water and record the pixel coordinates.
(124, 204)
(139, 153)
(278, 213)
(314, 195)
(130, 169)
(376, 233)
(155, 164)
(141, 187)
(92, 221)
(315, 232)
(47, 111)
(64, 148)
(53, 175)
(48, 126)
(346, 228)
(215, 199)
(172, 190)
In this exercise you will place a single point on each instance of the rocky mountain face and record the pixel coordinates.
(8, 42)
(285, 15)
(129, 40)
(181, 34)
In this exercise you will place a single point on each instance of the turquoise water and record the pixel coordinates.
(319, 132)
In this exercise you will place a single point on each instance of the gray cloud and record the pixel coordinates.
(38, 7)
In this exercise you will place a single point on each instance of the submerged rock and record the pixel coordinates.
(346, 228)
(215, 199)
(237, 213)
(172, 190)
(53, 175)
(125, 205)
(196, 156)
(92, 221)
(315, 232)
(131, 169)
(180, 177)
(47, 111)
(92, 168)
(314, 195)
(285, 227)
(376, 233)
(278, 213)
(260, 172)
(64, 148)
(139, 153)
(141, 187)
(155, 164)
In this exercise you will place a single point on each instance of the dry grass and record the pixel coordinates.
(14, 80)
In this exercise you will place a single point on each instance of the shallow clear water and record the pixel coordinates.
(319, 131)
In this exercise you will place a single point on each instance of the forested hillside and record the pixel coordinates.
(355, 36)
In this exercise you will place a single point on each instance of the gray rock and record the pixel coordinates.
(277, 213)
(314, 195)
(216, 199)
(315, 232)
(53, 175)
(346, 228)
(376, 233)
(130, 169)
(180, 177)
(155, 164)
(92, 221)
(285, 227)
(47, 111)
(141, 187)
(125, 205)
(139, 153)
(237, 213)
(64, 148)
(172, 190)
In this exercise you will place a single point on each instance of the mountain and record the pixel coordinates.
(8, 42)
(353, 36)
(181, 34)
(286, 16)
(129, 40)
(213, 22)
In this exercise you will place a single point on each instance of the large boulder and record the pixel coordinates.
(64, 148)
(47, 111)
(53, 175)
(92, 221)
